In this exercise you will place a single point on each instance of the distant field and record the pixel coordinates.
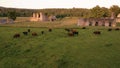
(19, 19)
(57, 50)
(24, 22)
(22, 19)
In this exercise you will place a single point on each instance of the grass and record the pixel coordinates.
(24, 22)
(56, 50)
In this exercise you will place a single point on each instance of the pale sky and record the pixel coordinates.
(40, 4)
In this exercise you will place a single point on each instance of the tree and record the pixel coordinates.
(115, 9)
(106, 12)
(12, 15)
(97, 12)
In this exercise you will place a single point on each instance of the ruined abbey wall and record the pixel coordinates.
(38, 17)
(108, 21)
(96, 22)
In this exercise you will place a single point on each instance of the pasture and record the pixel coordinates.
(57, 50)
(24, 22)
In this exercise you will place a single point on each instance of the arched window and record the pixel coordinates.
(96, 24)
(110, 23)
(39, 15)
(103, 23)
(90, 24)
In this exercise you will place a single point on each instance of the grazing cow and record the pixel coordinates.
(25, 33)
(83, 27)
(16, 36)
(28, 30)
(70, 33)
(74, 32)
(34, 34)
(117, 29)
(109, 29)
(42, 32)
(50, 30)
(97, 32)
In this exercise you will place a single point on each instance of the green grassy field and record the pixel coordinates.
(57, 50)
(24, 22)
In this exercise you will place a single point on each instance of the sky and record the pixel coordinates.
(40, 4)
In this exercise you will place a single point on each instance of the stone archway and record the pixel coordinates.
(96, 23)
(39, 16)
(103, 23)
(110, 24)
(90, 23)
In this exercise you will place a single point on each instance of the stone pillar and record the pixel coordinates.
(87, 23)
(112, 15)
(92, 23)
(34, 15)
(100, 23)
(113, 23)
(78, 24)
(106, 23)
(37, 15)
(81, 22)
(42, 17)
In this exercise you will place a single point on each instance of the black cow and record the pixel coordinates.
(42, 32)
(28, 30)
(109, 29)
(97, 32)
(83, 27)
(25, 33)
(74, 32)
(50, 30)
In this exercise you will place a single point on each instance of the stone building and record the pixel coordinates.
(96, 22)
(37, 17)
(118, 18)
(108, 21)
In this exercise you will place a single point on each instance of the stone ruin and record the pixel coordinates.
(6, 20)
(108, 21)
(118, 18)
(96, 22)
(37, 17)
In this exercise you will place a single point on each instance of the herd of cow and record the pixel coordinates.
(70, 32)
(17, 35)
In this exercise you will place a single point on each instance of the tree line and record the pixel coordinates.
(95, 12)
